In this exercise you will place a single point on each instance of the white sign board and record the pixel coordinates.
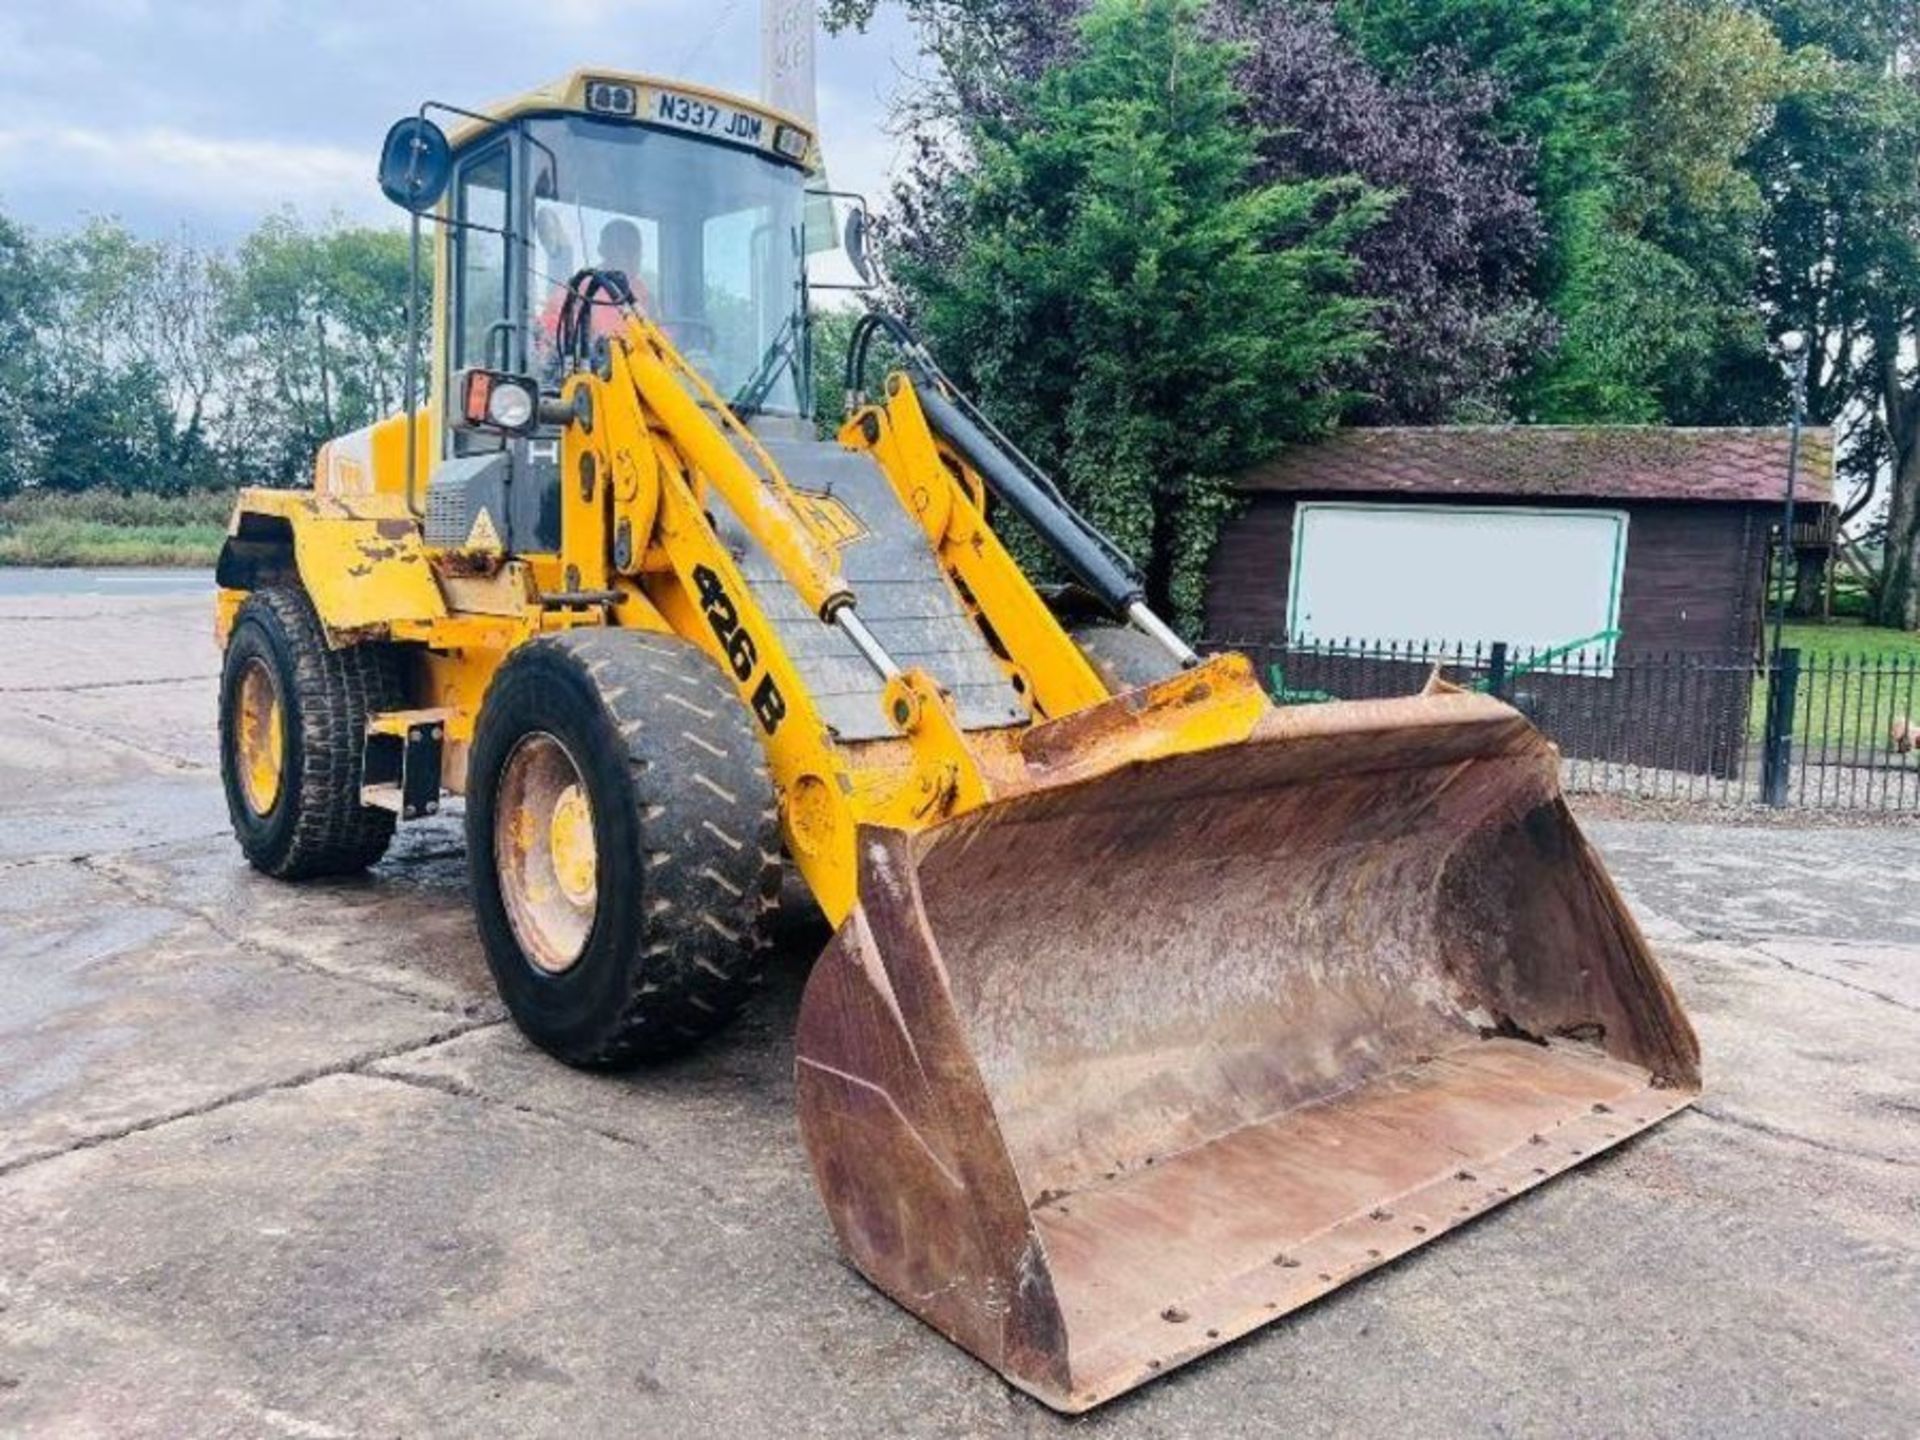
(1452, 575)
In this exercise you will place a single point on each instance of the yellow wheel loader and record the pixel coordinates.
(1153, 1011)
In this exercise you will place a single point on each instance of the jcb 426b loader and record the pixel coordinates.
(1153, 1012)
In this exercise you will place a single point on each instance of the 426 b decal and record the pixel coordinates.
(743, 655)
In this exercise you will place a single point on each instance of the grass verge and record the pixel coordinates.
(104, 528)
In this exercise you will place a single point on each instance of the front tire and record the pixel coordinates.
(623, 843)
(293, 726)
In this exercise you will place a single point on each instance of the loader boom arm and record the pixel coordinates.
(970, 442)
(686, 406)
(646, 439)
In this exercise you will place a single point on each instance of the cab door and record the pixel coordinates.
(487, 325)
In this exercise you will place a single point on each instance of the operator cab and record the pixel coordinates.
(695, 201)
(708, 235)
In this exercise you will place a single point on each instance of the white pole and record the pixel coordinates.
(787, 29)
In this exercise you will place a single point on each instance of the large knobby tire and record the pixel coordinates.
(293, 725)
(1122, 657)
(623, 842)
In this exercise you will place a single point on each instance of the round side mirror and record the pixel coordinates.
(415, 164)
(855, 242)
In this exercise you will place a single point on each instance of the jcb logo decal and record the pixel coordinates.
(831, 517)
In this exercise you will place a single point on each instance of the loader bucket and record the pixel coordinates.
(1104, 1075)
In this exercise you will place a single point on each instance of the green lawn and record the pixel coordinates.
(1852, 639)
(105, 528)
(1855, 681)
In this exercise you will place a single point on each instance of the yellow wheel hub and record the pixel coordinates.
(259, 736)
(544, 853)
(570, 837)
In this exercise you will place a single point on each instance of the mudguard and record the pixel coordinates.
(359, 557)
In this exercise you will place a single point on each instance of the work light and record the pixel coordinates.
(493, 400)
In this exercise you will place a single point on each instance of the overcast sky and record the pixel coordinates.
(208, 114)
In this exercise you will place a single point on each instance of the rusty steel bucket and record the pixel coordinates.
(1106, 1074)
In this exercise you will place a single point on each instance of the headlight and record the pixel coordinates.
(790, 142)
(612, 97)
(510, 405)
(490, 400)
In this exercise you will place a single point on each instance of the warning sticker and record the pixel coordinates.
(483, 536)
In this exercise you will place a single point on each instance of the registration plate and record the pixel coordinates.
(707, 117)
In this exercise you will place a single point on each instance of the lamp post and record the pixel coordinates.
(1793, 349)
(1777, 760)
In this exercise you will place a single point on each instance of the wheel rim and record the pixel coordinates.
(259, 731)
(544, 853)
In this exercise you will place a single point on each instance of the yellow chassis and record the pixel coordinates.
(633, 484)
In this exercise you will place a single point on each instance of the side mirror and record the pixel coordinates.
(415, 164)
(855, 243)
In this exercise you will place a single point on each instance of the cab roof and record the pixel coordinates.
(570, 94)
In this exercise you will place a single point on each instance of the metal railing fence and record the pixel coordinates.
(1826, 731)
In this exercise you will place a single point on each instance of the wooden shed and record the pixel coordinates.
(1630, 541)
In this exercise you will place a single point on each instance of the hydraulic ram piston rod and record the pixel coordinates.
(1077, 544)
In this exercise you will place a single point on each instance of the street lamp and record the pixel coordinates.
(1777, 760)
(1793, 352)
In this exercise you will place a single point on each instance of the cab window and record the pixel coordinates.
(481, 334)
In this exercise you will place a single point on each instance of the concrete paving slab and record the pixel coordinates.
(50, 642)
(379, 1258)
(257, 1185)
(106, 727)
(725, 1111)
(1794, 1054)
(404, 927)
(120, 1013)
(42, 819)
(1888, 973)
(46, 763)
(171, 722)
(1762, 883)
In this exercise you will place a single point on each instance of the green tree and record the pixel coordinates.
(1551, 57)
(1841, 176)
(1644, 112)
(828, 334)
(1127, 303)
(129, 363)
(158, 365)
(23, 313)
(317, 322)
(1705, 78)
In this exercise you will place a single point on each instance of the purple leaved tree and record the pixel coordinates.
(1450, 266)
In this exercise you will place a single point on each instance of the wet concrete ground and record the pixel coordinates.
(271, 1162)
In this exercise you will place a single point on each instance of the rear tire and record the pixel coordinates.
(1122, 657)
(623, 843)
(293, 725)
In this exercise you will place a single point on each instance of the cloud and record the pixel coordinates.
(201, 174)
(211, 113)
